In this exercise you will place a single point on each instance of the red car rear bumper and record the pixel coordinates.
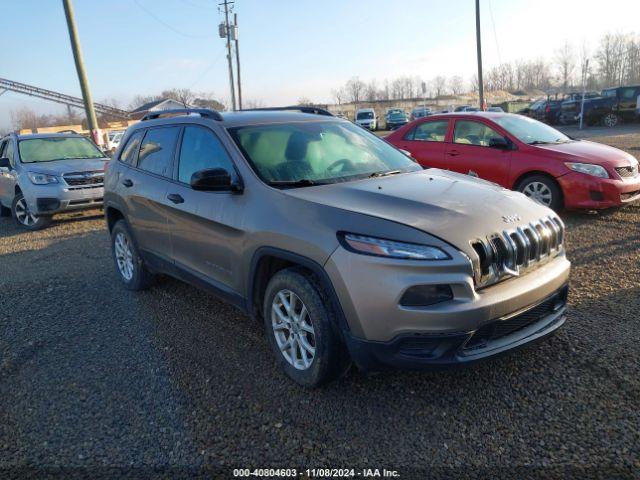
(584, 191)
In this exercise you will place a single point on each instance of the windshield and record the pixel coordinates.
(318, 152)
(609, 93)
(397, 116)
(50, 149)
(365, 115)
(530, 131)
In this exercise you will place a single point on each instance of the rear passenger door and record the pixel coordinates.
(426, 142)
(143, 185)
(205, 226)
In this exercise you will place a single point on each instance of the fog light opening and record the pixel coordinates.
(425, 295)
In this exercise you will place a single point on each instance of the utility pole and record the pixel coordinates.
(585, 71)
(479, 48)
(227, 4)
(235, 35)
(82, 75)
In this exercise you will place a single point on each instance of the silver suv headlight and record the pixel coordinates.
(388, 248)
(41, 178)
(589, 169)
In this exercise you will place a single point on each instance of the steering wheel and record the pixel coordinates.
(343, 162)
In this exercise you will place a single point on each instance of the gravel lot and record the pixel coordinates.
(99, 381)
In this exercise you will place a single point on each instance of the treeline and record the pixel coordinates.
(615, 61)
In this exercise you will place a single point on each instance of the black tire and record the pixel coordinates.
(24, 218)
(330, 359)
(141, 278)
(610, 120)
(4, 211)
(556, 202)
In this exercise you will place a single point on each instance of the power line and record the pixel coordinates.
(495, 34)
(167, 25)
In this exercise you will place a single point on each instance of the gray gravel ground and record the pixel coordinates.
(99, 381)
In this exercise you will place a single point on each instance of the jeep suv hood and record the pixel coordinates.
(454, 207)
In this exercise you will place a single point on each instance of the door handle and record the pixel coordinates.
(127, 183)
(175, 198)
(453, 153)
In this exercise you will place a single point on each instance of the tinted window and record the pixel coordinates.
(130, 152)
(201, 150)
(429, 132)
(157, 150)
(473, 133)
(629, 93)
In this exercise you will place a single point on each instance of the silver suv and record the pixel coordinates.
(338, 242)
(49, 173)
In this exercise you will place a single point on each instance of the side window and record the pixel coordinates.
(429, 132)
(157, 150)
(8, 153)
(130, 152)
(201, 150)
(473, 133)
(629, 93)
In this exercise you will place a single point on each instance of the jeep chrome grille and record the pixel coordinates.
(510, 252)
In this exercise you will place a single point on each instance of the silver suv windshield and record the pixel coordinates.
(530, 131)
(49, 149)
(302, 154)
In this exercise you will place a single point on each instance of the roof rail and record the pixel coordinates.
(298, 108)
(203, 112)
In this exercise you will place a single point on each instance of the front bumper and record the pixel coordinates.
(417, 351)
(58, 198)
(585, 192)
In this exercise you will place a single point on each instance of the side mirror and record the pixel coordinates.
(214, 180)
(500, 143)
(4, 163)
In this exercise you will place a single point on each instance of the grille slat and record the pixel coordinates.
(506, 253)
(627, 172)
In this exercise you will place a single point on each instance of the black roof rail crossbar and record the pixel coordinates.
(203, 112)
(298, 108)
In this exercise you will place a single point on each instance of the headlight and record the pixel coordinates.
(589, 169)
(388, 248)
(41, 178)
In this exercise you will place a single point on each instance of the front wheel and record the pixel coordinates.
(301, 329)
(610, 120)
(543, 190)
(24, 217)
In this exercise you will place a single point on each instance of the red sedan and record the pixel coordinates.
(525, 155)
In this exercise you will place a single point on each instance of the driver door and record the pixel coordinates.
(470, 152)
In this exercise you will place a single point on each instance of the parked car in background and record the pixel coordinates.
(529, 111)
(571, 105)
(290, 215)
(396, 119)
(420, 112)
(495, 109)
(49, 173)
(547, 111)
(341, 115)
(113, 140)
(367, 118)
(614, 106)
(524, 155)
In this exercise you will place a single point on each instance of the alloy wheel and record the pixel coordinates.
(124, 256)
(293, 329)
(23, 214)
(610, 120)
(538, 192)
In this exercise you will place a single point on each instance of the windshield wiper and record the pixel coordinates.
(303, 182)
(384, 174)
(539, 142)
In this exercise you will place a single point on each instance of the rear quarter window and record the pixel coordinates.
(130, 153)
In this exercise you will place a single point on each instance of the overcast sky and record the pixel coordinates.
(290, 48)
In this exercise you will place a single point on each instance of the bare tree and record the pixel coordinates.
(566, 61)
(456, 85)
(371, 91)
(208, 100)
(439, 84)
(304, 101)
(355, 90)
(339, 95)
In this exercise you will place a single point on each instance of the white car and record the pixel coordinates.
(367, 118)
